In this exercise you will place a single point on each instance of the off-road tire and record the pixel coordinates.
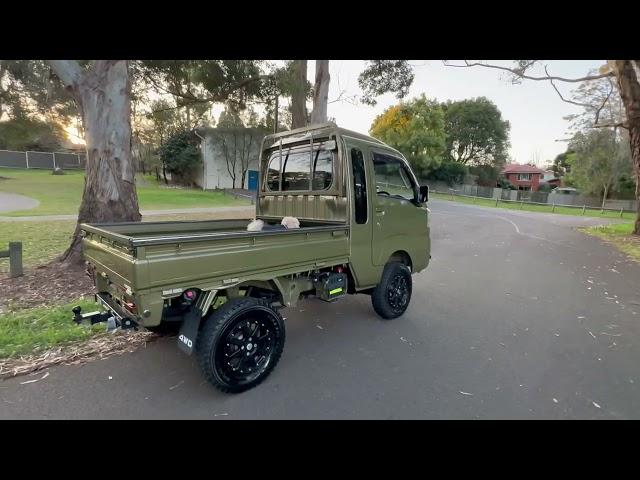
(212, 341)
(384, 297)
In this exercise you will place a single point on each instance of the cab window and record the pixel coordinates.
(393, 178)
(300, 169)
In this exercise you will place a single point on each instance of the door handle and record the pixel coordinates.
(380, 210)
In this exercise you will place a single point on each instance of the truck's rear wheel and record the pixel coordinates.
(240, 344)
(391, 296)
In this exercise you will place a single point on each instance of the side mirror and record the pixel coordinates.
(424, 194)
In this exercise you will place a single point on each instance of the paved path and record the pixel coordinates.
(245, 211)
(518, 316)
(11, 201)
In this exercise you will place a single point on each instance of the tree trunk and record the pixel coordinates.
(299, 95)
(604, 195)
(164, 173)
(103, 95)
(629, 85)
(321, 92)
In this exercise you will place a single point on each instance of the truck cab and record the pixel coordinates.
(331, 174)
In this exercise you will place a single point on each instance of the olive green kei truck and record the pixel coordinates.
(364, 229)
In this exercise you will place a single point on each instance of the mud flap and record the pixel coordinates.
(189, 331)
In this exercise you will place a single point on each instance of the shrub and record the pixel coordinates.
(181, 155)
(450, 172)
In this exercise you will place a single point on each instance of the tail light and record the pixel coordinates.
(131, 307)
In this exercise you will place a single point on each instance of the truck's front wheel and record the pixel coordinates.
(240, 343)
(391, 296)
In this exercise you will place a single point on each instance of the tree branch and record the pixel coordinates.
(610, 125)
(69, 72)
(210, 99)
(521, 74)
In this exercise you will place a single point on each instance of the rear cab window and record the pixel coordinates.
(300, 169)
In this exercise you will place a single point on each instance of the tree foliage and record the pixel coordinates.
(562, 163)
(451, 173)
(486, 175)
(181, 155)
(415, 128)
(601, 160)
(23, 134)
(476, 132)
(29, 88)
(385, 76)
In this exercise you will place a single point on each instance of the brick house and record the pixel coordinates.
(525, 177)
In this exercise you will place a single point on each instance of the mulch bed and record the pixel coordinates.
(96, 348)
(55, 282)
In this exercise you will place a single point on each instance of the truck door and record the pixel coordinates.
(361, 216)
(398, 221)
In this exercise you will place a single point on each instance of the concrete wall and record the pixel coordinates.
(215, 171)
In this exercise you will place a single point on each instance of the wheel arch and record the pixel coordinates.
(403, 257)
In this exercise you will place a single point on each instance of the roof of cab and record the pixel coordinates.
(323, 129)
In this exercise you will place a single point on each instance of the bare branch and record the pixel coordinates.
(343, 98)
(579, 104)
(604, 103)
(520, 73)
(610, 125)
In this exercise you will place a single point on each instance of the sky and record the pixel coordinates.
(533, 108)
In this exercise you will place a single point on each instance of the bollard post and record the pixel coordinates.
(554, 208)
(496, 201)
(621, 211)
(15, 259)
(521, 204)
(584, 207)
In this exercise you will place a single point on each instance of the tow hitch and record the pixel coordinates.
(110, 316)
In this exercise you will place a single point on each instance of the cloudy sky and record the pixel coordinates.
(533, 108)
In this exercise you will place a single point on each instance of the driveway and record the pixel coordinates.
(518, 316)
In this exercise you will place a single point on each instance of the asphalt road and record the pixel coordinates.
(518, 316)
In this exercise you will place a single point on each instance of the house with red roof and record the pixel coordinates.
(525, 177)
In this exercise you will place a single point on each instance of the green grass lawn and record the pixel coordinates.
(487, 202)
(618, 235)
(34, 330)
(41, 241)
(61, 194)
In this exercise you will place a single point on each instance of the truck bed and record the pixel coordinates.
(209, 254)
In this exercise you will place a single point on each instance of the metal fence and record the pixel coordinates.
(551, 207)
(539, 198)
(46, 160)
